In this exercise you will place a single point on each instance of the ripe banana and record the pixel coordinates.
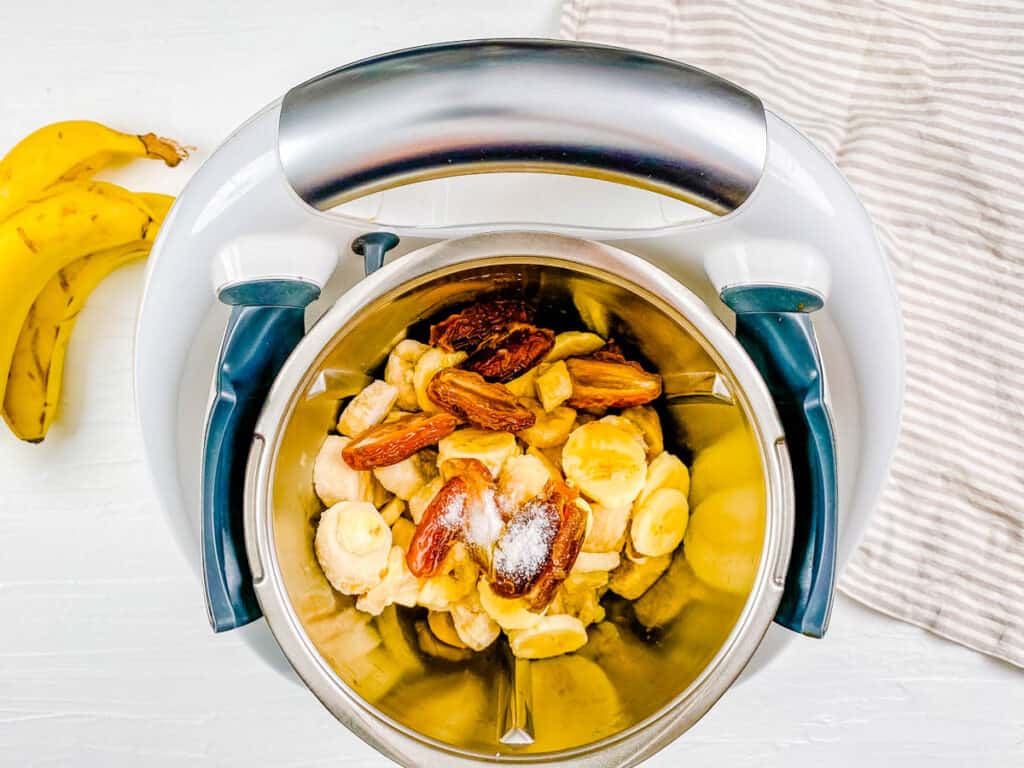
(399, 371)
(441, 625)
(554, 386)
(71, 151)
(408, 475)
(490, 448)
(37, 365)
(429, 363)
(522, 478)
(574, 344)
(368, 408)
(660, 522)
(334, 480)
(398, 586)
(40, 239)
(551, 636)
(508, 613)
(551, 429)
(606, 462)
(353, 544)
(475, 628)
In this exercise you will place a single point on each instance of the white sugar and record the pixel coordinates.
(525, 547)
(484, 522)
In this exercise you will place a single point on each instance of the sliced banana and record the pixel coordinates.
(440, 623)
(507, 613)
(432, 361)
(398, 586)
(368, 408)
(666, 471)
(399, 372)
(608, 531)
(420, 500)
(334, 480)
(552, 468)
(588, 562)
(455, 580)
(392, 510)
(472, 623)
(402, 532)
(409, 475)
(524, 385)
(551, 636)
(574, 344)
(550, 429)
(352, 545)
(627, 426)
(432, 645)
(660, 522)
(589, 511)
(630, 580)
(581, 601)
(606, 462)
(648, 422)
(379, 494)
(395, 414)
(491, 448)
(522, 478)
(554, 386)
(554, 456)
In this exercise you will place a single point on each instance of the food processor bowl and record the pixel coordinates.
(631, 689)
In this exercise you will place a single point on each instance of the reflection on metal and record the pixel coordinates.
(515, 719)
(335, 384)
(699, 387)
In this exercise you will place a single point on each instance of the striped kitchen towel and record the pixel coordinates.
(921, 104)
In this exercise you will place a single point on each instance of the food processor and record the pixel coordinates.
(761, 234)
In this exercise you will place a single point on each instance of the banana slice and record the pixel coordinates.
(509, 614)
(472, 623)
(627, 426)
(554, 386)
(368, 408)
(574, 344)
(582, 601)
(441, 625)
(606, 462)
(588, 562)
(550, 429)
(589, 511)
(608, 531)
(432, 361)
(648, 422)
(379, 495)
(392, 510)
(551, 636)
(409, 475)
(666, 471)
(525, 384)
(455, 580)
(399, 372)
(630, 580)
(352, 545)
(402, 532)
(660, 522)
(420, 500)
(432, 645)
(491, 448)
(553, 471)
(522, 478)
(398, 586)
(334, 480)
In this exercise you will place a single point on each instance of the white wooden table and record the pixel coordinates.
(105, 654)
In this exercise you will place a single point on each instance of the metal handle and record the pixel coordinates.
(522, 105)
(783, 347)
(267, 321)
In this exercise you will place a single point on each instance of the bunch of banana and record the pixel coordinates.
(60, 235)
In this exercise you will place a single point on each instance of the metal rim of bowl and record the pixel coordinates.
(642, 739)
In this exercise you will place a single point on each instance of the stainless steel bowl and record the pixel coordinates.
(422, 714)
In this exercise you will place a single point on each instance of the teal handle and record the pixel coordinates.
(267, 321)
(783, 347)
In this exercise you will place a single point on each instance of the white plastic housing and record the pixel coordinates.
(274, 255)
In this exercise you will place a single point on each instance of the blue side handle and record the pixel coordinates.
(774, 326)
(267, 321)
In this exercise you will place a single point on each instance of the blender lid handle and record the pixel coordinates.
(522, 105)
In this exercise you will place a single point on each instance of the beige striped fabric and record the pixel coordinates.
(921, 104)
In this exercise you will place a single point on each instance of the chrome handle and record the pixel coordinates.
(522, 105)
